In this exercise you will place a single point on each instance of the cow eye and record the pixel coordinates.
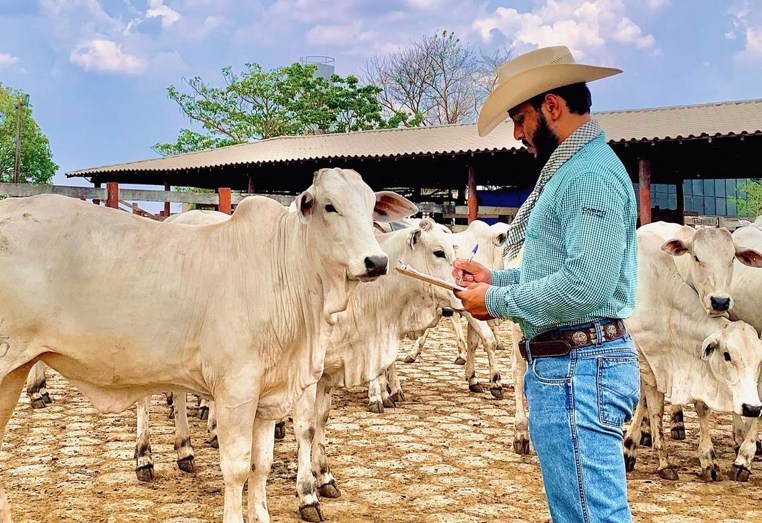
(439, 254)
(726, 355)
(330, 208)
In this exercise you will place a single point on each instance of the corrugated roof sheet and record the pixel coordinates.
(682, 122)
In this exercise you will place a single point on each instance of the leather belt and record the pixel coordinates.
(560, 342)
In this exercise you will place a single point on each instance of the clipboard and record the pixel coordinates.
(428, 278)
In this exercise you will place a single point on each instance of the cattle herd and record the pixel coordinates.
(265, 313)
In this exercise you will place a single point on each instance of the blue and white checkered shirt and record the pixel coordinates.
(580, 250)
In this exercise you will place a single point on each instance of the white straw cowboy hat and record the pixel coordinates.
(531, 74)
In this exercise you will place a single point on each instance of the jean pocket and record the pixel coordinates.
(551, 371)
(618, 384)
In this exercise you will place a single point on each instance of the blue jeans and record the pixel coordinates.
(578, 404)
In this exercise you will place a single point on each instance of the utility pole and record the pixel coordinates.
(24, 100)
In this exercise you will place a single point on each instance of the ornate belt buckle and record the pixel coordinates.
(579, 338)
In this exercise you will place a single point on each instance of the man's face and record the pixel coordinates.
(531, 127)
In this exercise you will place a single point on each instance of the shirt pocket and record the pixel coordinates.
(618, 386)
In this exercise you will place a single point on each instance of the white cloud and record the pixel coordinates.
(7, 60)
(754, 41)
(582, 25)
(341, 34)
(656, 4)
(157, 9)
(106, 56)
(747, 25)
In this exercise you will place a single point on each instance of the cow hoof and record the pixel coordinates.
(398, 397)
(409, 359)
(645, 440)
(460, 361)
(280, 431)
(329, 490)
(311, 513)
(389, 403)
(39, 403)
(629, 463)
(376, 407)
(144, 473)
(214, 442)
(476, 387)
(497, 392)
(740, 473)
(203, 413)
(711, 473)
(46, 398)
(758, 452)
(521, 445)
(677, 433)
(499, 347)
(186, 464)
(668, 473)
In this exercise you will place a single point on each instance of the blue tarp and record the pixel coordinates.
(502, 198)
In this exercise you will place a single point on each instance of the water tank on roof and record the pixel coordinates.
(325, 65)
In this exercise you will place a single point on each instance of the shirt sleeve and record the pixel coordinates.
(506, 277)
(592, 216)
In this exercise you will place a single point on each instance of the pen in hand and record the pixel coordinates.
(470, 258)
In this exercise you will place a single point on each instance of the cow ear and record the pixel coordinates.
(305, 203)
(675, 247)
(749, 257)
(499, 239)
(710, 344)
(390, 206)
(413, 237)
(426, 224)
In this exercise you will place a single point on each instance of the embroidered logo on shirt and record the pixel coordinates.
(589, 211)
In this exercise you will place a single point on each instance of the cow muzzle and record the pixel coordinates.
(375, 266)
(751, 411)
(720, 303)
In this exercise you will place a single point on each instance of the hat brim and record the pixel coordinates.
(529, 84)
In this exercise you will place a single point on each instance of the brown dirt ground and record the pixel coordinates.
(444, 456)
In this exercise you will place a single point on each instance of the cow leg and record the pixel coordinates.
(710, 469)
(10, 389)
(375, 404)
(417, 348)
(460, 339)
(472, 340)
(304, 430)
(261, 462)
(633, 437)
(742, 466)
(182, 434)
(646, 440)
(386, 399)
(483, 334)
(235, 416)
(36, 387)
(211, 426)
(520, 420)
(739, 430)
(143, 459)
(203, 409)
(677, 432)
(494, 327)
(325, 481)
(394, 384)
(280, 430)
(655, 400)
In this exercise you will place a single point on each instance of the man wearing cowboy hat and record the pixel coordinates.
(576, 283)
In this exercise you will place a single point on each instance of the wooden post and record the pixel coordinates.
(224, 195)
(473, 205)
(644, 179)
(97, 185)
(112, 195)
(680, 202)
(251, 189)
(167, 187)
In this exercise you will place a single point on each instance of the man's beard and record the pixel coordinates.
(544, 140)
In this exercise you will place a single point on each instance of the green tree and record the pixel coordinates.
(751, 204)
(257, 104)
(36, 160)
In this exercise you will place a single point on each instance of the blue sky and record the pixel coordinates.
(97, 70)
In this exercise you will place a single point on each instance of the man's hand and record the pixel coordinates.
(470, 271)
(473, 299)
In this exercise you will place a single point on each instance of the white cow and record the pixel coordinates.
(241, 311)
(703, 259)
(688, 351)
(488, 254)
(365, 342)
